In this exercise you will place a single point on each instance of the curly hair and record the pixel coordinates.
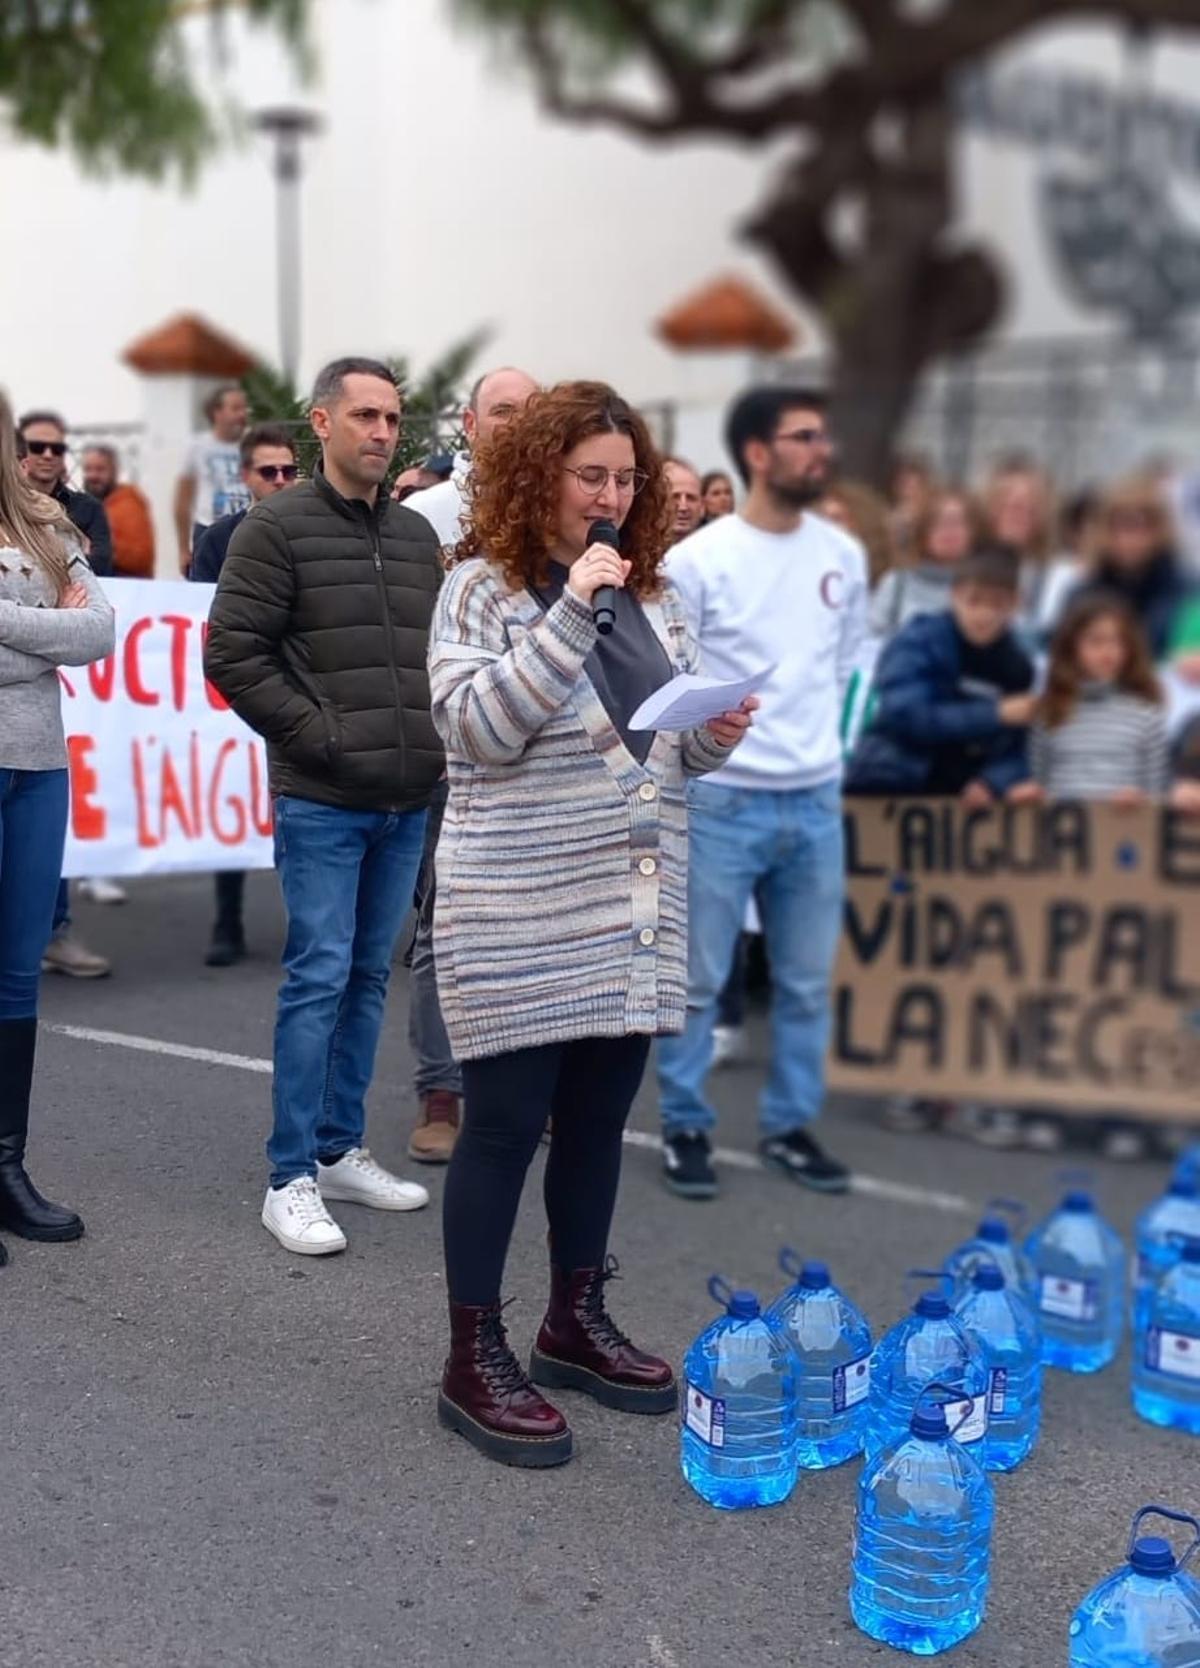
(1063, 679)
(515, 486)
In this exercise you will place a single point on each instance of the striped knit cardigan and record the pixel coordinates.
(562, 865)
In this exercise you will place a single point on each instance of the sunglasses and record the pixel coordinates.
(277, 471)
(39, 448)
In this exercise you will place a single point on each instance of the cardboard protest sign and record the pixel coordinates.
(1034, 955)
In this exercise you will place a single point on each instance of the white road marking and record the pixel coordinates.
(870, 1187)
(155, 1045)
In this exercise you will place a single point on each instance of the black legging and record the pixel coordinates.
(587, 1087)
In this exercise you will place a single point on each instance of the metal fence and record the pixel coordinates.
(1087, 409)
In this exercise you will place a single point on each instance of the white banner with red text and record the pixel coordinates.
(164, 777)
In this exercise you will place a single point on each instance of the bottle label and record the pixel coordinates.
(705, 1417)
(1077, 1300)
(851, 1384)
(1175, 1353)
(971, 1417)
(997, 1390)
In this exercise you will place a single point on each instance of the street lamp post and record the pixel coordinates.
(288, 125)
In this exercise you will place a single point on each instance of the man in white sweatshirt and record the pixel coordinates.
(772, 585)
(495, 399)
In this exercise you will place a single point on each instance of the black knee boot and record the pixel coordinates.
(23, 1211)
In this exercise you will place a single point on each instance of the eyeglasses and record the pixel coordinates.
(807, 437)
(1132, 521)
(39, 448)
(277, 471)
(593, 478)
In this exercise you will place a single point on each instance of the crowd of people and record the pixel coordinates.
(446, 724)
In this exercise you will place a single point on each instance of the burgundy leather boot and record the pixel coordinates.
(580, 1347)
(486, 1397)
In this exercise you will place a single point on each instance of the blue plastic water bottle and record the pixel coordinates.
(1161, 1230)
(738, 1435)
(923, 1536)
(928, 1345)
(832, 1345)
(992, 1242)
(1006, 1330)
(1147, 1613)
(1166, 1355)
(1187, 1165)
(1080, 1264)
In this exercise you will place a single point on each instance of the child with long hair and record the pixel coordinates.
(1101, 729)
(1100, 733)
(52, 614)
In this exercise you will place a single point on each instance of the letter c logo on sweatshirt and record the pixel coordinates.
(832, 584)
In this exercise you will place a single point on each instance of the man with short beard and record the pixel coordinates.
(770, 585)
(317, 638)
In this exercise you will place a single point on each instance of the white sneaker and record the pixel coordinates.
(729, 1045)
(358, 1180)
(297, 1217)
(101, 890)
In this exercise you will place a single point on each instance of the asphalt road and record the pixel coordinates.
(218, 1454)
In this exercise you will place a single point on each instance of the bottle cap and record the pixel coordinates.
(929, 1420)
(932, 1306)
(988, 1278)
(743, 1305)
(1078, 1201)
(1153, 1555)
(994, 1229)
(814, 1277)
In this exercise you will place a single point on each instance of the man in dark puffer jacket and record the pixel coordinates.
(318, 639)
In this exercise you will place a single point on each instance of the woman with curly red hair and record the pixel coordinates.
(560, 933)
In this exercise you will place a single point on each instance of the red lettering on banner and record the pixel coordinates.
(134, 687)
(234, 836)
(194, 783)
(260, 797)
(172, 802)
(101, 676)
(145, 836)
(216, 700)
(89, 821)
(180, 625)
(66, 683)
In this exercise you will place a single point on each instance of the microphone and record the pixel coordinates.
(604, 597)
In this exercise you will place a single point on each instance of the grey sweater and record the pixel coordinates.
(36, 638)
(562, 866)
(1111, 741)
(903, 593)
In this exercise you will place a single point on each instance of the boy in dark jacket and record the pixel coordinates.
(952, 702)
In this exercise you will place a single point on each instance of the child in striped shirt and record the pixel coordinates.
(1100, 733)
(1101, 730)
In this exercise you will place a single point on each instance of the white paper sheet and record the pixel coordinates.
(690, 700)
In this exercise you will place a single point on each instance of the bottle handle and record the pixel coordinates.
(1011, 1207)
(791, 1262)
(720, 1290)
(952, 1395)
(940, 1275)
(1175, 1517)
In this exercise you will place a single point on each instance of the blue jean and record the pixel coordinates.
(788, 848)
(347, 879)
(33, 830)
